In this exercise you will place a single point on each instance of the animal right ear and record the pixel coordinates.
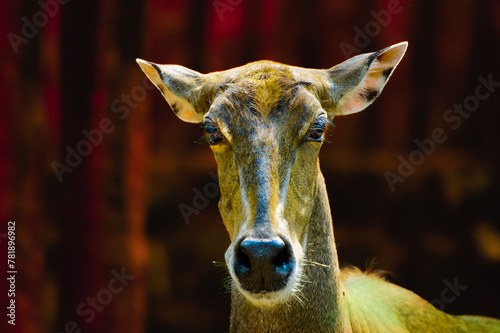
(180, 86)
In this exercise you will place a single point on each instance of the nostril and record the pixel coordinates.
(283, 258)
(242, 260)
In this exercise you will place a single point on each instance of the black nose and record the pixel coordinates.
(263, 264)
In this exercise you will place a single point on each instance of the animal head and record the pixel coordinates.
(265, 123)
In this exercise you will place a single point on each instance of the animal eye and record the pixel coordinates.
(212, 136)
(318, 129)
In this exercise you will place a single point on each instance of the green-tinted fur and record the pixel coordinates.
(375, 305)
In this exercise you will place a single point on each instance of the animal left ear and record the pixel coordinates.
(181, 87)
(358, 81)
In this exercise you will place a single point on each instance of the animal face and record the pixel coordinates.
(265, 123)
(266, 131)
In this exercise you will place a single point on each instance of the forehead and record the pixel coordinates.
(264, 90)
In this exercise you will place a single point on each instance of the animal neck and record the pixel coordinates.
(321, 307)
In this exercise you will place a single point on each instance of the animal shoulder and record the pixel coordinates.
(376, 305)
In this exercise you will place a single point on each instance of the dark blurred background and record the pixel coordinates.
(69, 83)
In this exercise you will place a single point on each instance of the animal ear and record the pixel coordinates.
(180, 86)
(358, 81)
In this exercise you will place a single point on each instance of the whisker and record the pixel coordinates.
(316, 263)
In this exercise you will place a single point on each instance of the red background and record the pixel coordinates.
(119, 208)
